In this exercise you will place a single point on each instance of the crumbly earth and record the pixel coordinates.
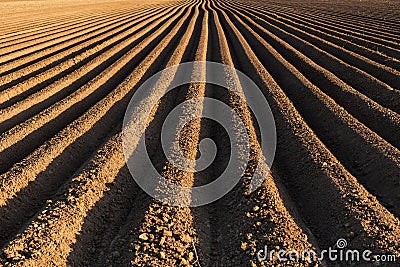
(330, 72)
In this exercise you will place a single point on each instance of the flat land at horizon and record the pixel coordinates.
(330, 71)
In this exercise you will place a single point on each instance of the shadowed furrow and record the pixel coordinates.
(329, 70)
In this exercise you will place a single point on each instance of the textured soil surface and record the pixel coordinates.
(330, 71)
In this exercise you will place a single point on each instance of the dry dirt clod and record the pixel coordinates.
(144, 237)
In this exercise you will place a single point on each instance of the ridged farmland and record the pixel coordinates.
(330, 71)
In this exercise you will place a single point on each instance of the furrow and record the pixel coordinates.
(355, 18)
(383, 52)
(19, 70)
(240, 224)
(95, 123)
(328, 70)
(369, 155)
(104, 166)
(31, 132)
(17, 28)
(60, 27)
(357, 78)
(313, 13)
(383, 74)
(363, 40)
(382, 120)
(166, 218)
(18, 36)
(62, 17)
(93, 62)
(339, 21)
(53, 33)
(338, 24)
(40, 46)
(325, 187)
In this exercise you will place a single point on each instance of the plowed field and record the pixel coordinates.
(330, 71)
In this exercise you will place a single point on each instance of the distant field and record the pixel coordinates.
(330, 71)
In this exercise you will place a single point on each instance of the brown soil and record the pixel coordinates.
(329, 70)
